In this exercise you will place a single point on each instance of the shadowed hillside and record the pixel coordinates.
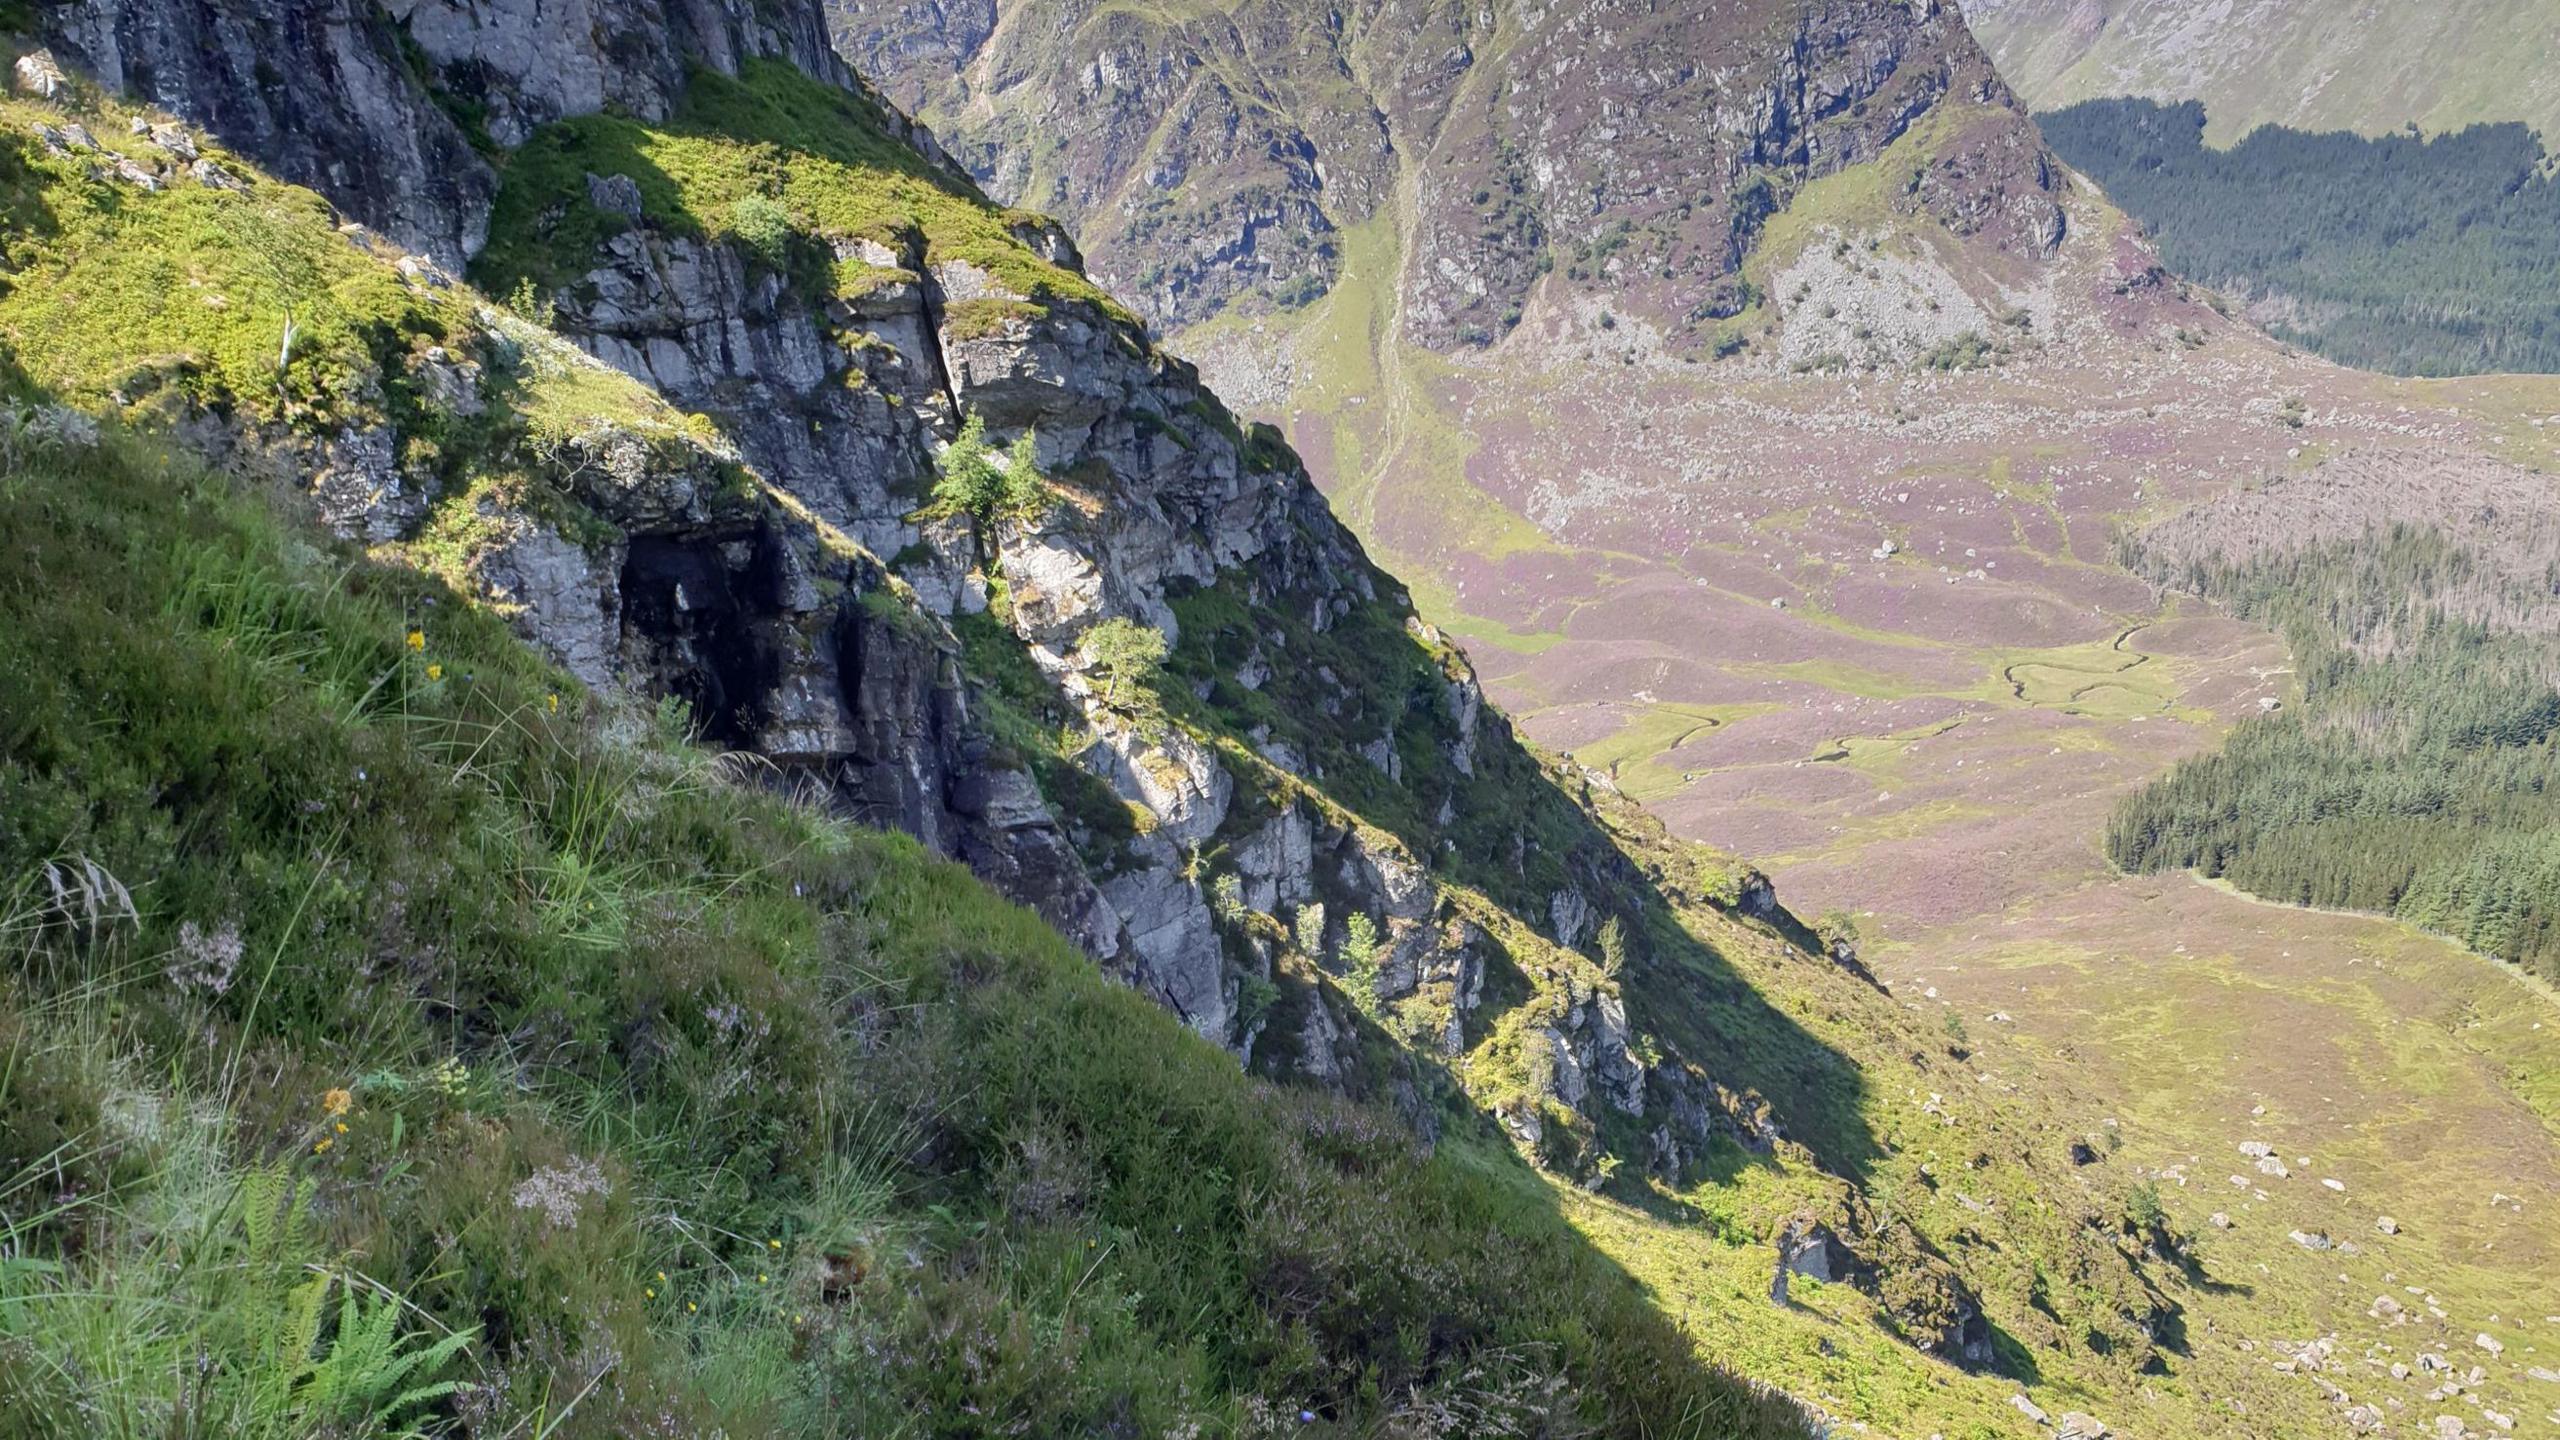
(2402, 254)
(2308, 64)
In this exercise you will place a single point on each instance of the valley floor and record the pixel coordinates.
(1867, 628)
(2394, 1074)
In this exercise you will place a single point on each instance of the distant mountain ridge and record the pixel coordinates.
(1208, 155)
(2369, 67)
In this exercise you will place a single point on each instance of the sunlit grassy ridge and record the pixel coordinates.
(787, 166)
(683, 1104)
(246, 301)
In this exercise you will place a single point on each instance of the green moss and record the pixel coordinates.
(986, 318)
(856, 277)
(1266, 450)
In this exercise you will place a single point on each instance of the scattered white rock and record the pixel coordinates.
(2338, 1185)
(2387, 1225)
(2489, 1343)
(135, 175)
(175, 140)
(37, 74)
(2028, 1408)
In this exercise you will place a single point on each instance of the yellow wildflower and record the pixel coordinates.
(342, 1127)
(662, 1277)
(761, 1279)
(690, 1307)
(323, 1147)
(337, 1100)
(773, 1244)
(417, 639)
(435, 672)
(555, 703)
(651, 1291)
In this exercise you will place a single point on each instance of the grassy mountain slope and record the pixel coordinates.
(589, 1011)
(684, 1106)
(2302, 63)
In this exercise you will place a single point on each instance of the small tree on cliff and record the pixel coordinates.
(1123, 652)
(972, 479)
(1838, 931)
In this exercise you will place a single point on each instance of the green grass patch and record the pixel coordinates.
(785, 166)
(242, 297)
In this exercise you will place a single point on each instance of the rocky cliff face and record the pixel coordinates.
(391, 110)
(1215, 159)
(1198, 171)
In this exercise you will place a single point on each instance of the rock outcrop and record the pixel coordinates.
(1200, 172)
